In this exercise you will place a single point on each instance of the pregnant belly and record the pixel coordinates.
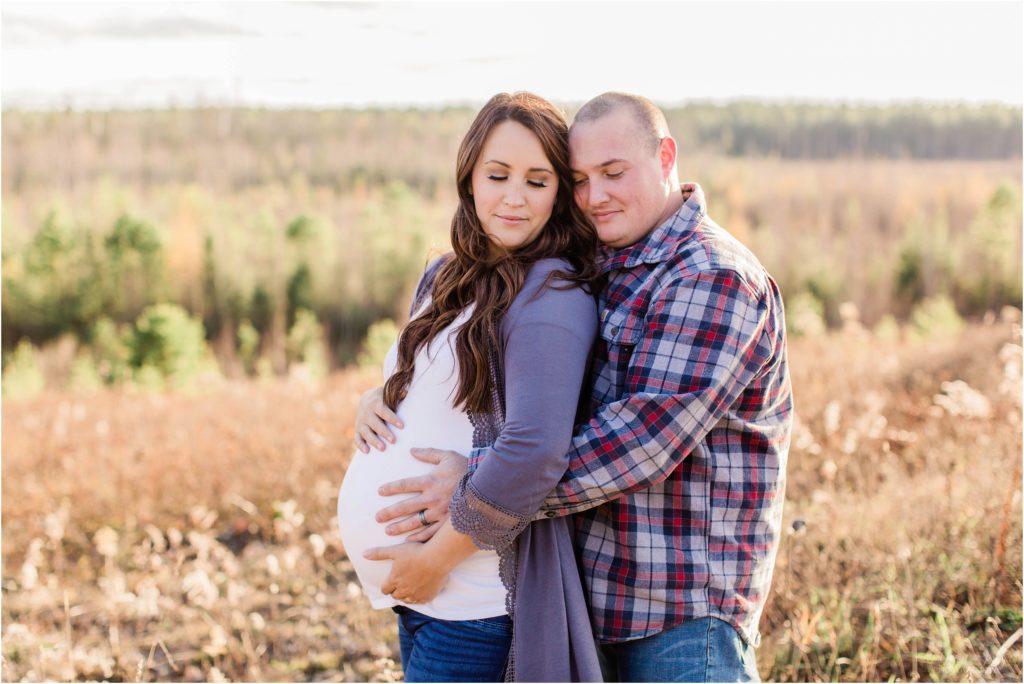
(358, 500)
(473, 590)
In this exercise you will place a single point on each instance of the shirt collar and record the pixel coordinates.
(663, 240)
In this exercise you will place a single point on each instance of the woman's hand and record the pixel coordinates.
(372, 419)
(418, 574)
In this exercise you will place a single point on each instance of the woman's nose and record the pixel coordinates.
(514, 197)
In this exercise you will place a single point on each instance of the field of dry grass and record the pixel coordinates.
(191, 537)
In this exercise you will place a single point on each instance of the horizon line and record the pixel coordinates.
(199, 103)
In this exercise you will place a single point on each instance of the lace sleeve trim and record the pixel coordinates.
(491, 527)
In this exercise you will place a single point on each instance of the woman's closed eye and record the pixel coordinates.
(532, 183)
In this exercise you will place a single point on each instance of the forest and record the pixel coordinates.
(270, 226)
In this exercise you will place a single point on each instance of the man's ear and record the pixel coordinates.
(667, 153)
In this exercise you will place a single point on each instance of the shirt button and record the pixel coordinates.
(549, 514)
(615, 330)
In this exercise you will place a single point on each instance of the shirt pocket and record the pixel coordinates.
(620, 332)
(621, 328)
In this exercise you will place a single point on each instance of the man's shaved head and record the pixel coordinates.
(650, 121)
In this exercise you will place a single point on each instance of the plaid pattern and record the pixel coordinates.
(678, 479)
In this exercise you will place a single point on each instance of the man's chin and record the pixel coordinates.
(610, 238)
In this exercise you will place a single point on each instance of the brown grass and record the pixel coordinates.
(172, 537)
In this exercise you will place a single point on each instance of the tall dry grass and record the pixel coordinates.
(164, 537)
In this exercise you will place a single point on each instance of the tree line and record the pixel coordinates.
(230, 149)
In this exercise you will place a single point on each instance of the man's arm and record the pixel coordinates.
(705, 339)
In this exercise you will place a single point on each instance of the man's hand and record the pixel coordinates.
(434, 492)
(417, 575)
(372, 418)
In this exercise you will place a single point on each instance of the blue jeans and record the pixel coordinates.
(704, 650)
(435, 650)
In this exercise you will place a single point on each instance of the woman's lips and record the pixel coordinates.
(511, 219)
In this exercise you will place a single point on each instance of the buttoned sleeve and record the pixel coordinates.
(704, 339)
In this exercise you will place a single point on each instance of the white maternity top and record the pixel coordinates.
(474, 590)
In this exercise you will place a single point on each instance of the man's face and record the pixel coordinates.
(620, 182)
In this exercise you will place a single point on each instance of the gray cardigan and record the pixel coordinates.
(520, 454)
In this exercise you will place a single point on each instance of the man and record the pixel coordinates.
(676, 483)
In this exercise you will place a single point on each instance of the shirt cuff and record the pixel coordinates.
(475, 457)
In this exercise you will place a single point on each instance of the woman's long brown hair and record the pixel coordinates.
(490, 281)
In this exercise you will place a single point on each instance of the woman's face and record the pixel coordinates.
(514, 186)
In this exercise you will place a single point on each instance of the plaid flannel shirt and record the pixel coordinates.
(677, 481)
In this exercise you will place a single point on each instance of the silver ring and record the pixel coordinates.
(423, 518)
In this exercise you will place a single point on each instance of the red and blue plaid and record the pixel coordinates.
(677, 482)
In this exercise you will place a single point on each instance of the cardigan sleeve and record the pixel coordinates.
(547, 345)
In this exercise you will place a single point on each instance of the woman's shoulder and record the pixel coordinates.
(544, 298)
(540, 281)
(426, 282)
(542, 267)
(434, 265)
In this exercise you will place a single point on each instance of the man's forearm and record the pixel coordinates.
(450, 547)
(622, 455)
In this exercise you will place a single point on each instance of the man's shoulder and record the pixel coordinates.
(708, 249)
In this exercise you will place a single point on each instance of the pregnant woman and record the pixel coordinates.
(492, 359)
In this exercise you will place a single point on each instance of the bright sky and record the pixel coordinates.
(88, 54)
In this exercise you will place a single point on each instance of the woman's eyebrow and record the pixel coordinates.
(536, 169)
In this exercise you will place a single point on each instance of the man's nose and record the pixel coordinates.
(598, 193)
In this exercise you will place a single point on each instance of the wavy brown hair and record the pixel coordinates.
(489, 281)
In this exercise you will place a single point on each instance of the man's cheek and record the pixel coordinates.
(580, 195)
